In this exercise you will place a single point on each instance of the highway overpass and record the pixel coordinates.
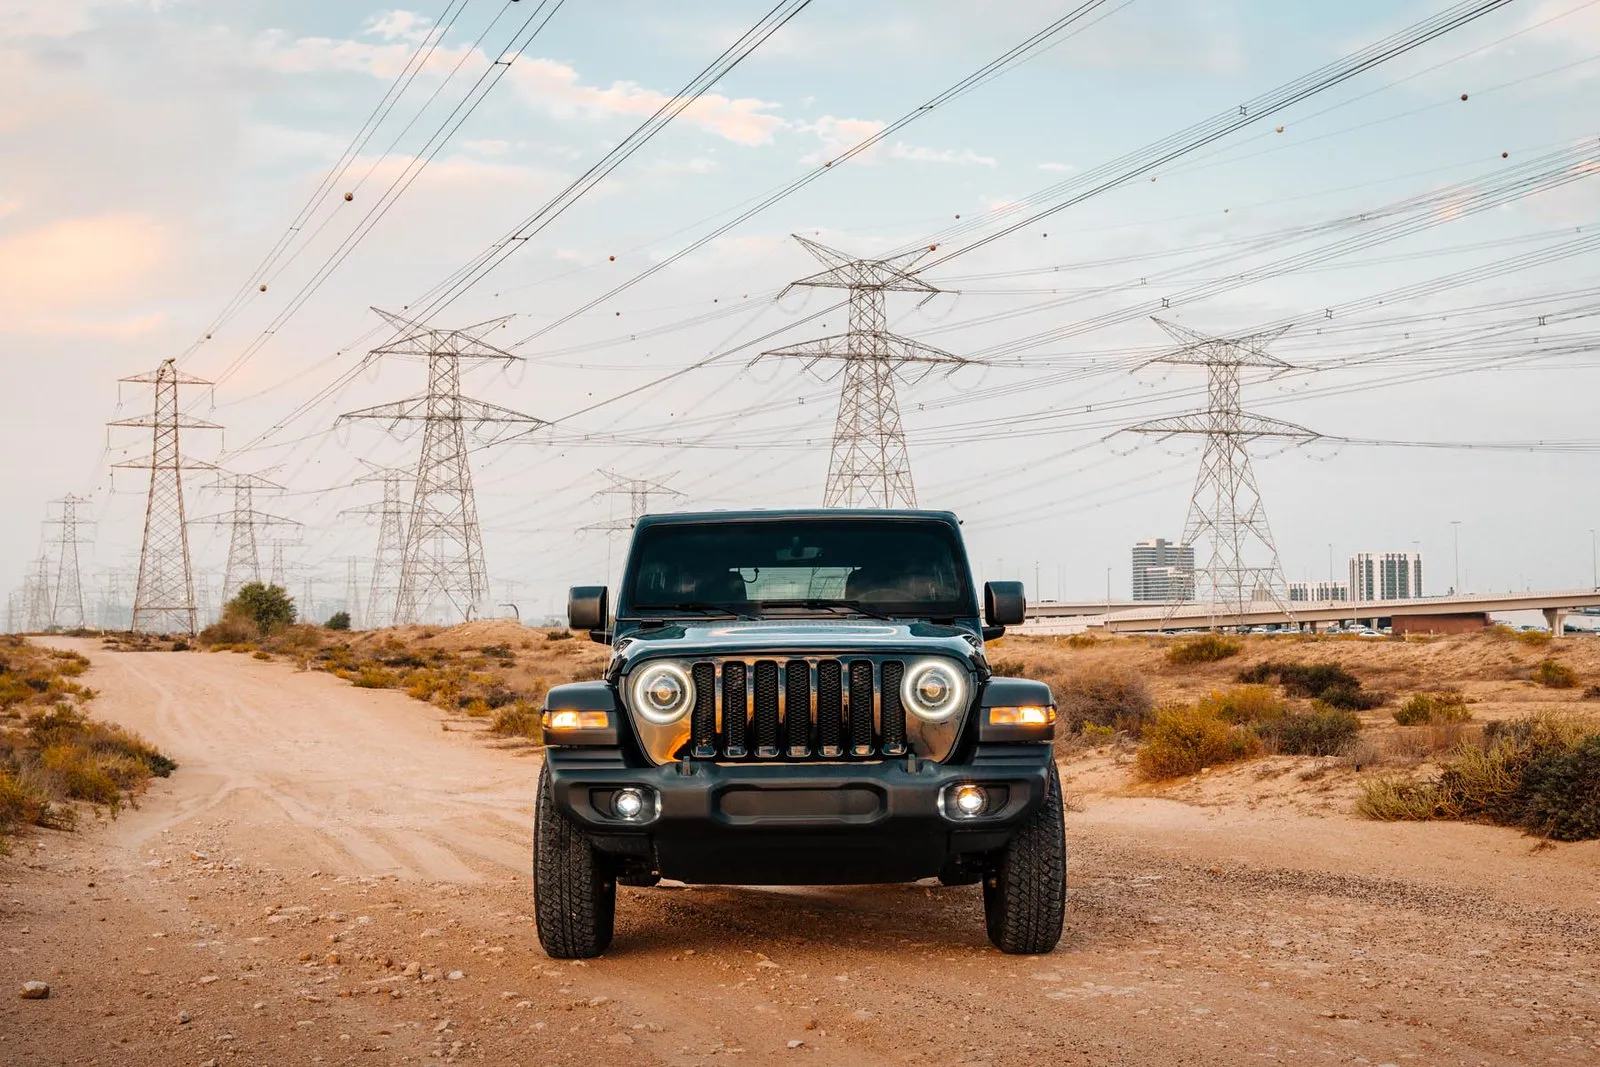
(1421, 614)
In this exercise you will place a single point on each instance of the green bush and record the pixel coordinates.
(1447, 705)
(1554, 675)
(268, 606)
(1203, 648)
(339, 620)
(1561, 792)
(1185, 740)
(1327, 682)
(1322, 731)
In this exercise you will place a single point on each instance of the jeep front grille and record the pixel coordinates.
(797, 709)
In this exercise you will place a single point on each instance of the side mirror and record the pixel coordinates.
(1004, 603)
(588, 607)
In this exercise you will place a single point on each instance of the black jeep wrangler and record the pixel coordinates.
(798, 698)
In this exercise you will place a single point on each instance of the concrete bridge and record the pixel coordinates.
(1423, 614)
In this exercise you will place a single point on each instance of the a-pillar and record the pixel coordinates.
(1556, 619)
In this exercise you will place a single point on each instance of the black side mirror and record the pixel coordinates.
(1004, 603)
(588, 607)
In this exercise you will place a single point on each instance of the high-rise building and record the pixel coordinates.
(1318, 591)
(1163, 571)
(1386, 575)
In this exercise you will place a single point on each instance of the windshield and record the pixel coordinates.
(827, 566)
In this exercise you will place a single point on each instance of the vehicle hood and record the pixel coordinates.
(798, 637)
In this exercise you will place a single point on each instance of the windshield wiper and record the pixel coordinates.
(694, 606)
(838, 607)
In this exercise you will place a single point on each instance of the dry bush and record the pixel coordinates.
(1322, 731)
(520, 719)
(1554, 675)
(1185, 740)
(1245, 704)
(1327, 682)
(1203, 648)
(370, 677)
(1104, 697)
(1541, 773)
(1085, 640)
(233, 629)
(1592, 693)
(1446, 705)
(1534, 638)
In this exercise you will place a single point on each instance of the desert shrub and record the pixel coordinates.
(519, 719)
(261, 655)
(1446, 705)
(1008, 668)
(1258, 674)
(1327, 682)
(1322, 731)
(1541, 773)
(557, 635)
(1592, 693)
(339, 620)
(1084, 640)
(269, 607)
(1535, 638)
(233, 628)
(501, 651)
(1561, 792)
(1244, 704)
(371, 677)
(1185, 740)
(1554, 675)
(1203, 648)
(1108, 698)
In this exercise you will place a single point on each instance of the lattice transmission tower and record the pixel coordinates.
(163, 597)
(443, 557)
(245, 524)
(638, 491)
(869, 465)
(352, 592)
(67, 533)
(383, 589)
(38, 596)
(1226, 513)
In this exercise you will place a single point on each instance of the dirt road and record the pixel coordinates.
(333, 876)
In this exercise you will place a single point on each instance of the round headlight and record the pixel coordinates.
(662, 693)
(934, 691)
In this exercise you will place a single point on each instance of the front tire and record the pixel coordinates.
(1025, 893)
(574, 893)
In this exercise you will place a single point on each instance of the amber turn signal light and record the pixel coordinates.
(577, 720)
(1025, 715)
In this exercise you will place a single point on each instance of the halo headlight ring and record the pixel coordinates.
(662, 693)
(934, 690)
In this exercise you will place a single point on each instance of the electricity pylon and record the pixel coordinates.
(244, 523)
(383, 590)
(66, 601)
(869, 465)
(163, 597)
(1225, 509)
(443, 555)
(352, 591)
(38, 595)
(638, 491)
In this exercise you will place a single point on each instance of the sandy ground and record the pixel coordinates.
(262, 907)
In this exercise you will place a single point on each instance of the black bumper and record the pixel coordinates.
(799, 824)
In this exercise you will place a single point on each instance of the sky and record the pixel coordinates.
(1420, 228)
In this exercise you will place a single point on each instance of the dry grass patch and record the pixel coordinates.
(1203, 648)
(1186, 740)
(1445, 706)
(1555, 675)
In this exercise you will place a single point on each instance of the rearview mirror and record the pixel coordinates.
(1004, 603)
(588, 607)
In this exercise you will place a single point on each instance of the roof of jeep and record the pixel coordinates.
(688, 518)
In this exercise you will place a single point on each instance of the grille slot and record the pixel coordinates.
(797, 707)
(830, 708)
(735, 708)
(766, 719)
(703, 724)
(861, 707)
(893, 728)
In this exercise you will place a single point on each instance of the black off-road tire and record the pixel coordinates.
(1025, 895)
(574, 893)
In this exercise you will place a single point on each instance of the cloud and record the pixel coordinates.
(61, 277)
(556, 88)
(922, 154)
(487, 147)
(401, 25)
(1057, 168)
(839, 135)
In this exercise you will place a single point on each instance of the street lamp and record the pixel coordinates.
(1456, 529)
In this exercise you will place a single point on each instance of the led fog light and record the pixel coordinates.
(969, 799)
(628, 803)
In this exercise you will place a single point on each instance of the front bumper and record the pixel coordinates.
(801, 823)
